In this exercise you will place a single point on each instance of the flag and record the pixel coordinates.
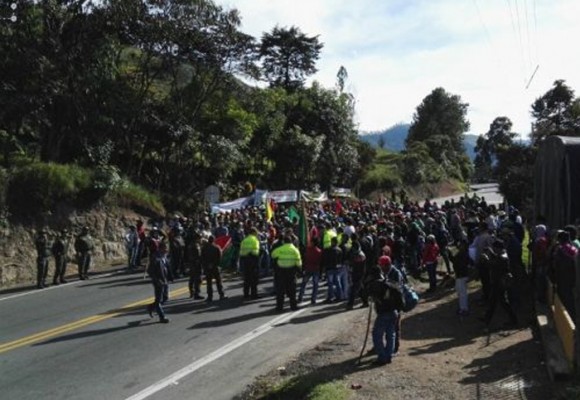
(269, 210)
(293, 214)
(303, 232)
(228, 251)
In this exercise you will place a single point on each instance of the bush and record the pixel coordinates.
(40, 187)
(127, 194)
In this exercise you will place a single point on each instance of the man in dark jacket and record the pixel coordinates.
(384, 286)
(60, 252)
(211, 257)
(158, 271)
(43, 247)
(193, 252)
(500, 279)
(84, 247)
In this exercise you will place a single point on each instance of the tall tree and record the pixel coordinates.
(289, 57)
(555, 113)
(440, 122)
(499, 138)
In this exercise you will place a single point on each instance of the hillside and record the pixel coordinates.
(394, 139)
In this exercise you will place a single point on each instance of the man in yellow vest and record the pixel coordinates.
(289, 263)
(249, 257)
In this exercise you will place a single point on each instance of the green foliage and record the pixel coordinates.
(497, 139)
(556, 113)
(132, 196)
(42, 187)
(439, 124)
(289, 57)
(515, 175)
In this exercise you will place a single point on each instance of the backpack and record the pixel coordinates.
(410, 298)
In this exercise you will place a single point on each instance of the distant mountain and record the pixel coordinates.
(395, 136)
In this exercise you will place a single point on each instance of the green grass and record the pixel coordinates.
(133, 196)
(300, 388)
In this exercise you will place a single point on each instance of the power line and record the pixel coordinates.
(520, 36)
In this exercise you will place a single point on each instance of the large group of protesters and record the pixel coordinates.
(361, 251)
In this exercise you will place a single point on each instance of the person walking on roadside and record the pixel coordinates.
(249, 257)
(84, 247)
(289, 263)
(211, 257)
(312, 260)
(60, 253)
(384, 287)
(43, 249)
(158, 272)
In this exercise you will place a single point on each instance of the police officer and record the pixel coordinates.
(60, 251)
(43, 247)
(84, 247)
(289, 263)
(249, 257)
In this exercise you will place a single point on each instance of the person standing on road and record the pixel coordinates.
(384, 287)
(211, 257)
(43, 247)
(60, 253)
(249, 257)
(194, 256)
(312, 261)
(158, 272)
(84, 247)
(430, 260)
(500, 279)
(289, 263)
(461, 268)
(132, 247)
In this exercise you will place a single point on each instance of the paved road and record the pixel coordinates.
(93, 340)
(488, 190)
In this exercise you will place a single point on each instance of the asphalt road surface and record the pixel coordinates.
(94, 340)
(490, 191)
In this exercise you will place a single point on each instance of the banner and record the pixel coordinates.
(341, 192)
(313, 196)
(232, 205)
(283, 196)
(260, 197)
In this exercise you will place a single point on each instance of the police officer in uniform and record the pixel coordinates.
(289, 263)
(249, 257)
(43, 246)
(60, 251)
(84, 248)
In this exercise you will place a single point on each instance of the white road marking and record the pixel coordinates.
(37, 291)
(174, 378)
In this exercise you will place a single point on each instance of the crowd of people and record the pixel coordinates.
(363, 251)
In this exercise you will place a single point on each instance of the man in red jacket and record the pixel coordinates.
(312, 262)
(429, 260)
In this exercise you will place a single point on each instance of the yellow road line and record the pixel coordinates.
(38, 337)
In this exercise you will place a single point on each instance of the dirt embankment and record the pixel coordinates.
(18, 254)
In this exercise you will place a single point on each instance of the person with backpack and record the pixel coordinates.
(158, 272)
(384, 287)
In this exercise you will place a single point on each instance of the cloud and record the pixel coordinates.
(397, 51)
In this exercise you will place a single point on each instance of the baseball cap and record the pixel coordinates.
(384, 261)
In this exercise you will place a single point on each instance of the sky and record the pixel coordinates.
(397, 51)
